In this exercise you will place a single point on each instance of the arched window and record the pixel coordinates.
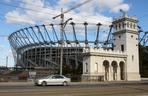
(134, 26)
(131, 25)
(96, 67)
(116, 27)
(128, 24)
(132, 57)
(123, 25)
(106, 68)
(122, 70)
(114, 66)
(119, 26)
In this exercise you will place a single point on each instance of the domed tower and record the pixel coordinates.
(126, 39)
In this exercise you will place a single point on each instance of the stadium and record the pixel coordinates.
(39, 47)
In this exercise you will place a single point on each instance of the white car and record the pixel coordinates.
(53, 80)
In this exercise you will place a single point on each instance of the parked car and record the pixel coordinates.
(53, 80)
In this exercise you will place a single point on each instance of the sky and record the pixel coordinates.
(17, 14)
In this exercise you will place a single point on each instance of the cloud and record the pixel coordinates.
(40, 12)
(124, 7)
(15, 17)
(7, 1)
(113, 5)
(62, 3)
(1, 46)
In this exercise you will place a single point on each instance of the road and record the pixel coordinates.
(75, 89)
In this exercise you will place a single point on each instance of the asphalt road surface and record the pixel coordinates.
(75, 89)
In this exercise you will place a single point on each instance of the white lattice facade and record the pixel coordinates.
(120, 64)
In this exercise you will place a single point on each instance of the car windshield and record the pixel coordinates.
(53, 77)
(57, 77)
(47, 77)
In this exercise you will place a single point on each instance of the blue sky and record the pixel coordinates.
(16, 14)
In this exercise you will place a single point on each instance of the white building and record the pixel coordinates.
(120, 64)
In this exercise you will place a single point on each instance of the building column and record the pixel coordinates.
(110, 73)
(118, 73)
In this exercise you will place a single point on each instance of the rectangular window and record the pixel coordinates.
(96, 68)
(86, 68)
(122, 47)
(132, 57)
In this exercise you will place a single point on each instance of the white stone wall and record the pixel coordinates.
(133, 57)
(96, 58)
(124, 35)
(119, 39)
(130, 42)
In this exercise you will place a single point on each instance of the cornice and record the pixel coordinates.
(107, 55)
(125, 31)
(125, 19)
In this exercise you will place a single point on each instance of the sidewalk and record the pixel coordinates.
(145, 81)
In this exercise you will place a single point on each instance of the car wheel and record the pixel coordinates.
(65, 83)
(44, 83)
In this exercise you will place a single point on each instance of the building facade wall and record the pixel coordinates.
(133, 57)
(127, 37)
(97, 69)
(123, 62)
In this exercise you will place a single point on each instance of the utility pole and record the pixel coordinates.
(61, 41)
(63, 24)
